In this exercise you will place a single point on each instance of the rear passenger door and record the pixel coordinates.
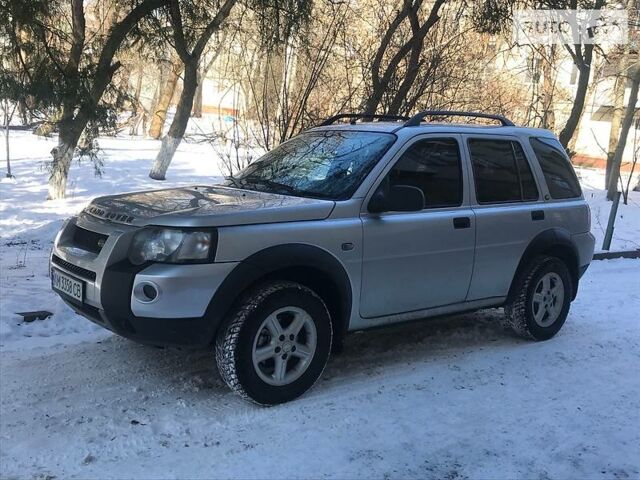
(419, 260)
(509, 211)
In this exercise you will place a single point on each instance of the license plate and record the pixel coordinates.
(67, 284)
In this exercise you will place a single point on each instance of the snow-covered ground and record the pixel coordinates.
(453, 398)
(450, 398)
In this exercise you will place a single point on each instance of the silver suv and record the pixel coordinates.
(347, 226)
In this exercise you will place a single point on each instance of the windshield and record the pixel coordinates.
(325, 164)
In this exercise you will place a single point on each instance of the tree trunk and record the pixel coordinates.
(624, 132)
(197, 102)
(178, 126)
(548, 89)
(154, 100)
(380, 83)
(24, 112)
(6, 136)
(160, 112)
(7, 119)
(62, 157)
(616, 115)
(413, 68)
(619, 88)
(584, 69)
(137, 111)
(587, 100)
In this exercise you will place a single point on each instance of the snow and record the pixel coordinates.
(453, 398)
(626, 234)
(127, 163)
(450, 398)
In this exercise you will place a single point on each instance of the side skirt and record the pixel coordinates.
(365, 323)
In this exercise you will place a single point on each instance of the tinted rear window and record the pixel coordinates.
(558, 172)
(501, 171)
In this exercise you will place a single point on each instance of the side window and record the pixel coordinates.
(561, 179)
(433, 166)
(501, 171)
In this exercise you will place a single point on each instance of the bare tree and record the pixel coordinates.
(190, 60)
(582, 56)
(280, 90)
(624, 132)
(210, 58)
(409, 50)
(619, 88)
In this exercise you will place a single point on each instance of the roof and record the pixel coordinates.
(399, 129)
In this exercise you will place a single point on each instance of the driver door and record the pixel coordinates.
(423, 259)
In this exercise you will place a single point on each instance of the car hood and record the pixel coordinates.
(200, 206)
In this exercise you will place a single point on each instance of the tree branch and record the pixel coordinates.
(178, 31)
(114, 39)
(214, 25)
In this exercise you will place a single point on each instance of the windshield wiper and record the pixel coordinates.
(255, 180)
(233, 181)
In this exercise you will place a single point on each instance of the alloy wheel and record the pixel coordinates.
(284, 346)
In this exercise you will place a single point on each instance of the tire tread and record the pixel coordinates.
(226, 346)
(515, 312)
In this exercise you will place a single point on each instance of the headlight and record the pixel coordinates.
(169, 245)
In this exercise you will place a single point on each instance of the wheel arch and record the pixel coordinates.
(554, 242)
(306, 264)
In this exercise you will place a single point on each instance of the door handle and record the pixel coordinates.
(461, 222)
(537, 215)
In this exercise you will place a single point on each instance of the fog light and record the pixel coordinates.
(146, 292)
(149, 291)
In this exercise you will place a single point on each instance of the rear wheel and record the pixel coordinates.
(275, 344)
(542, 301)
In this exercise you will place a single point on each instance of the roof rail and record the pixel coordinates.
(356, 116)
(418, 117)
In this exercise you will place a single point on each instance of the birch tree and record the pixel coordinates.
(276, 21)
(190, 58)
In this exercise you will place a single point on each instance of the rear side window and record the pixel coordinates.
(561, 179)
(501, 171)
(433, 166)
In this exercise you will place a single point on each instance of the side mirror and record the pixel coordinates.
(399, 198)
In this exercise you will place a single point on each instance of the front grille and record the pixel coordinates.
(88, 240)
(81, 272)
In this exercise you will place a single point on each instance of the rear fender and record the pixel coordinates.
(554, 242)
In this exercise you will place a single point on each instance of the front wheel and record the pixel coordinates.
(543, 296)
(275, 344)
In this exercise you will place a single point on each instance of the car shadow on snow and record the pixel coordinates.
(365, 353)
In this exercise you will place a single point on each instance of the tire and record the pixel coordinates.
(250, 354)
(535, 313)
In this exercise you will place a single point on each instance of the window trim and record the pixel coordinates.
(509, 139)
(413, 141)
(533, 176)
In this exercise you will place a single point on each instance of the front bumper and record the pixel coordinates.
(177, 316)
